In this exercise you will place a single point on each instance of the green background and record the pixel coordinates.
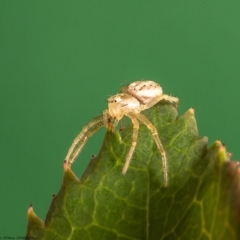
(60, 60)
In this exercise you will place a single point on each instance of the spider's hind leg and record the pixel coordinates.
(171, 99)
(156, 99)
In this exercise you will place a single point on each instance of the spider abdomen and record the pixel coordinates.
(144, 91)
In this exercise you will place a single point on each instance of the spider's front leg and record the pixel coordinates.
(107, 119)
(81, 139)
(134, 141)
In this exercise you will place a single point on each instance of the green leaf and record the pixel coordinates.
(201, 202)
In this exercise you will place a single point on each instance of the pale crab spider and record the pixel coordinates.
(132, 100)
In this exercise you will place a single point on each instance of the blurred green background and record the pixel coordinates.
(60, 60)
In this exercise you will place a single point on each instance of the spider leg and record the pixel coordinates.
(152, 102)
(171, 99)
(81, 139)
(122, 123)
(154, 132)
(155, 100)
(106, 118)
(134, 142)
(115, 125)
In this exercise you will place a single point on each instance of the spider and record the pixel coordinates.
(132, 100)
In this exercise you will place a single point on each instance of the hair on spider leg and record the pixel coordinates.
(174, 104)
(174, 95)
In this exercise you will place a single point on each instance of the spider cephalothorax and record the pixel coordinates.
(133, 99)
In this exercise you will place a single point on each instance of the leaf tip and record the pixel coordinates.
(68, 174)
(31, 214)
(222, 156)
(189, 114)
(65, 166)
(223, 153)
(30, 210)
(217, 143)
(191, 110)
(35, 224)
